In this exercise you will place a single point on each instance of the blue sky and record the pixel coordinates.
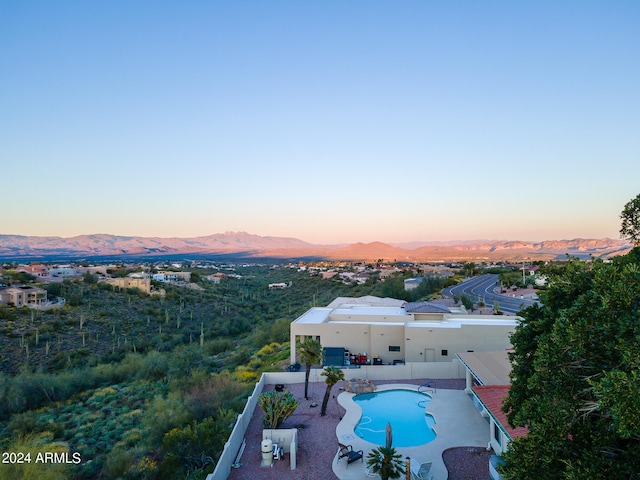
(327, 121)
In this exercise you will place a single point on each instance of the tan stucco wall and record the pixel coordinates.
(376, 339)
(478, 338)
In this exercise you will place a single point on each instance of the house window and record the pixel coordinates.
(496, 434)
(394, 348)
(445, 353)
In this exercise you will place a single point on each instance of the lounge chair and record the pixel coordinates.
(420, 471)
(347, 451)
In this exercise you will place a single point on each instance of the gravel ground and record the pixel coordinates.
(318, 444)
(467, 463)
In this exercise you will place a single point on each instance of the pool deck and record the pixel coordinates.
(318, 436)
(457, 423)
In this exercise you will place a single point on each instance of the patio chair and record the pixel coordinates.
(347, 451)
(420, 471)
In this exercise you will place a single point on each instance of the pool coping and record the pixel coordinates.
(450, 408)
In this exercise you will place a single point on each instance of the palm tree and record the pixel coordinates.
(386, 462)
(334, 375)
(310, 354)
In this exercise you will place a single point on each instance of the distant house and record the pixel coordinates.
(439, 271)
(63, 272)
(216, 278)
(386, 272)
(412, 283)
(37, 270)
(95, 270)
(172, 277)
(142, 283)
(327, 275)
(361, 278)
(277, 286)
(23, 296)
(347, 276)
(540, 280)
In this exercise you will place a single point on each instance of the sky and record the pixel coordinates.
(331, 122)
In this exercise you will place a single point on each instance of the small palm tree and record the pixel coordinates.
(334, 375)
(386, 462)
(310, 354)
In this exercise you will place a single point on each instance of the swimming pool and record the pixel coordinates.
(404, 409)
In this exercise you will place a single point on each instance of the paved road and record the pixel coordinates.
(482, 289)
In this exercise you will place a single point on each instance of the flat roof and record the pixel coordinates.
(389, 315)
(449, 321)
(368, 300)
(369, 310)
(489, 368)
(314, 315)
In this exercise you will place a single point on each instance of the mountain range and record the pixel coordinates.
(245, 245)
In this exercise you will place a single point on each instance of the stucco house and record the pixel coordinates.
(381, 331)
(166, 276)
(37, 270)
(141, 282)
(23, 295)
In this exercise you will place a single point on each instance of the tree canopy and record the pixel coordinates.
(575, 379)
(630, 216)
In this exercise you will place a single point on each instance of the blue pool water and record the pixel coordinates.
(404, 409)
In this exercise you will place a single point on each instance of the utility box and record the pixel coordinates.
(333, 356)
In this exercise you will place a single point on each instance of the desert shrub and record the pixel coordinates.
(218, 345)
(197, 445)
(215, 392)
(6, 313)
(12, 399)
(279, 331)
(74, 300)
(163, 414)
(23, 424)
(118, 462)
(467, 302)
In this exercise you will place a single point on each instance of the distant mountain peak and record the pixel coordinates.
(251, 245)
